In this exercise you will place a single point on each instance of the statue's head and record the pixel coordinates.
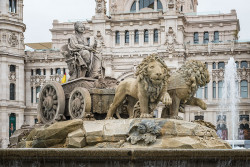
(79, 27)
(154, 69)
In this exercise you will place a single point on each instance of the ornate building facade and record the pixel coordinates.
(133, 30)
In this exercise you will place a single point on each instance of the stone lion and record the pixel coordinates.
(148, 88)
(183, 85)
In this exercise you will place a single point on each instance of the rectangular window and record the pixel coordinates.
(145, 35)
(37, 93)
(136, 36)
(244, 89)
(214, 65)
(206, 38)
(220, 87)
(216, 37)
(32, 93)
(88, 40)
(221, 65)
(156, 34)
(117, 37)
(38, 71)
(199, 117)
(12, 68)
(58, 71)
(44, 71)
(12, 91)
(32, 72)
(64, 71)
(196, 38)
(51, 71)
(126, 36)
(243, 64)
(12, 6)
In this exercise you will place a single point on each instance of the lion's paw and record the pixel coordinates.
(146, 116)
(176, 117)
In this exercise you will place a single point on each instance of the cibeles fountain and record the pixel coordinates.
(93, 120)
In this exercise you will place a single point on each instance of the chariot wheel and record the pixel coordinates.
(79, 103)
(51, 102)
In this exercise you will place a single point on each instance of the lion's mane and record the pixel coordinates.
(142, 73)
(195, 74)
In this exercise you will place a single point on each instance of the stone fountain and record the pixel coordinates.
(140, 140)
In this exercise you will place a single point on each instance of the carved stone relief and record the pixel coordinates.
(101, 6)
(113, 6)
(12, 77)
(100, 40)
(12, 40)
(170, 40)
(37, 80)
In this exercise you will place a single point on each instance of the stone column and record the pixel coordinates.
(41, 71)
(137, 6)
(155, 5)
(210, 84)
(4, 123)
(211, 36)
(131, 38)
(201, 37)
(122, 38)
(151, 37)
(141, 37)
(217, 90)
(34, 94)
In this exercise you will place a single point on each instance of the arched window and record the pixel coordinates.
(37, 93)
(206, 38)
(220, 87)
(237, 64)
(12, 123)
(196, 38)
(155, 35)
(51, 71)
(117, 37)
(126, 36)
(181, 8)
(38, 71)
(214, 65)
(214, 90)
(12, 6)
(244, 89)
(44, 71)
(146, 4)
(136, 36)
(88, 40)
(12, 91)
(145, 35)
(216, 37)
(12, 68)
(58, 71)
(159, 5)
(243, 64)
(133, 7)
(32, 72)
(221, 65)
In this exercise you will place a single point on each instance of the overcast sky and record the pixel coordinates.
(39, 14)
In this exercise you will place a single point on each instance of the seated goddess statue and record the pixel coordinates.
(80, 56)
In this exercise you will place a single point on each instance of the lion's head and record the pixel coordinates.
(153, 69)
(195, 74)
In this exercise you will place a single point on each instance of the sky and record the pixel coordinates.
(39, 15)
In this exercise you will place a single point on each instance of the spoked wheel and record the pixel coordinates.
(79, 103)
(51, 102)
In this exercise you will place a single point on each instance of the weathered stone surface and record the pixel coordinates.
(77, 133)
(126, 133)
(54, 134)
(104, 131)
(77, 142)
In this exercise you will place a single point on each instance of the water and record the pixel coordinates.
(230, 97)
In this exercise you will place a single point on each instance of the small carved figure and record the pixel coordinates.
(144, 133)
(13, 41)
(183, 85)
(149, 88)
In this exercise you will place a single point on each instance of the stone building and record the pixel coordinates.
(133, 30)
